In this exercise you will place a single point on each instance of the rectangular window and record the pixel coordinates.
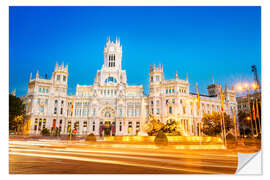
(44, 124)
(137, 125)
(61, 111)
(39, 90)
(157, 111)
(36, 121)
(94, 111)
(85, 124)
(38, 100)
(120, 126)
(170, 110)
(58, 77)
(39, 124)
(64, 78)
(55, 110)
(47, 90)
(41, 109)
(46, 101)
(93, 128)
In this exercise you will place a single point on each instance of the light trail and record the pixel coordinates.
(176, 162)
(113, 162)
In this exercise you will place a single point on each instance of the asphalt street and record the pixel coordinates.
(78, 157)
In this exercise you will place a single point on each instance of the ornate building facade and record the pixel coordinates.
(111, 107)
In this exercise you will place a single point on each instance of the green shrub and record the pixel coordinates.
(161, 139)
(91, 137)
(45, 132)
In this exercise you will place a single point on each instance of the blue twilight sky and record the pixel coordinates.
(199, 41)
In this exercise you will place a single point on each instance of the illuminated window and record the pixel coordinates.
(44, 124)
(36, 121)
(39, 124)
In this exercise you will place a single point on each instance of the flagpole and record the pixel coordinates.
(258, 116)
(254, 117)
(198, 108)
(252, 129)
(235, 126)
(224, 129)
(222, 120)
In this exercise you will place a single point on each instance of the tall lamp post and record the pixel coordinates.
(248, 87)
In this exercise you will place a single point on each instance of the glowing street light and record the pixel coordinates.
(247, 87)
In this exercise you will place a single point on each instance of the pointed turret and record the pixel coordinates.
(187, 77)
(176, 75)
(37, 75)
(30, 78)
(108, 40)
(56, 66)
(117, 40)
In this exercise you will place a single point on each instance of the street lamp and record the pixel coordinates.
(247, 87)
(250, 119)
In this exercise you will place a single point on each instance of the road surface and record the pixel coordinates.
(63, 157)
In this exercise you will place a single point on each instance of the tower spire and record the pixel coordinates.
(213, 79)
(187, 77)
(30, 77)
(37, 75)
(176, 75)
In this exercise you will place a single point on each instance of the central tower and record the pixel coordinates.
(111, 72)
(113, 54)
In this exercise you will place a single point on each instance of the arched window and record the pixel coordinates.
(107, 114)
(111, 79)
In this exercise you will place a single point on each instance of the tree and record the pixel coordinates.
(16, 113)
(19, 121)
(212, 123)
(244, 124)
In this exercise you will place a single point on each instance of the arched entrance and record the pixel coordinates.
(108, 128)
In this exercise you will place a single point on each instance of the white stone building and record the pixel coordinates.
(112, 107)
